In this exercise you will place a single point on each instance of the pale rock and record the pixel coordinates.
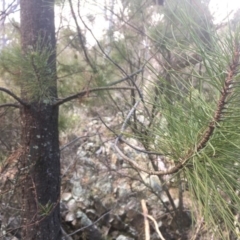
(66, 196)
(123, 190)
(72, 205)
(122, 237)
(89, 146)
(81, 153)
(141, 118)
(77, 190)
(155, 184)
(70, 217)
(85, 221)
(108, 119)
(100, 150)
(93, 123)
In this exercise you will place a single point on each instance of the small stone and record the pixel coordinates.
(122, 237)
(70, 217)
(71, 205)
(66, 196)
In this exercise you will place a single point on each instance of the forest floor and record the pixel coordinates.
(103, 197)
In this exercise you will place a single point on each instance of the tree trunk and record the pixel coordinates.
(41, 158)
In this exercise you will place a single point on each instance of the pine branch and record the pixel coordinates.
(226, 91)
(14, 96)
(85, 92)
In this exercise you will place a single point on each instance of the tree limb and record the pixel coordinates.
(9, 105)
(84, 92)
(14, 96)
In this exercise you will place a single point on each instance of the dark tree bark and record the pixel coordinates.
(40, 160)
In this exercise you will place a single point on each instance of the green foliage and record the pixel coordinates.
(197, 123)
(45, 210)
(65, 120)
(184, 22)
(31, 70)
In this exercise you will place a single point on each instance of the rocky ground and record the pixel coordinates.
(102, 191)
(103, 197)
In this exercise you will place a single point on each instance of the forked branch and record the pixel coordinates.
(14, 96)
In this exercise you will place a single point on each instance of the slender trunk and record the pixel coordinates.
(41, 155)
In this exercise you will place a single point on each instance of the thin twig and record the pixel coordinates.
(65, 235)
(129, 116)
(80, 38)
(9, 10)
(126, 142)
(156, 227)
(126, 78)
(74, 140)
(112, 61)
(84, 92)
(90, 225)
(133, 163)
(140, 149)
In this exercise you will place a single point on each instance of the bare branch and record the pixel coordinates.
(146, 222)
(74, 140)
(92, 224)
(129, 116)
(156, 227)
(126, 78)
(126, 142)
(85, 92)
(111, 60)
(14, 96)
(10, 9)
(135, 165)
(80, 38)
(10, 105)
(141, 150)
(65, 234)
